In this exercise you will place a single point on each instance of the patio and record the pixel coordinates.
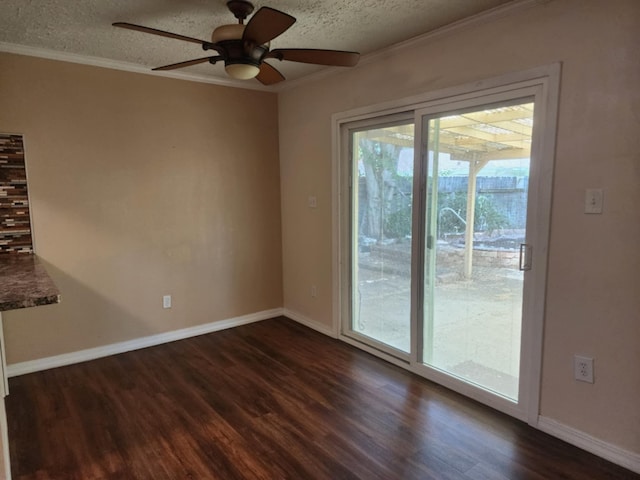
(476, 323)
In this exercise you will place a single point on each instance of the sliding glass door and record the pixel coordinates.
(475, 230)
(436, 210)
(381, 171)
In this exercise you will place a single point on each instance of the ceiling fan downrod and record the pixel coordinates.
(241, 9)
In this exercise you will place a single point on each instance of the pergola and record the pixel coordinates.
(476, 137)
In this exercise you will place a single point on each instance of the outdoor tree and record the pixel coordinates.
(380, 161)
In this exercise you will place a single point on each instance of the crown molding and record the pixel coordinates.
(478, 19)
(124, 66)
(473, 21)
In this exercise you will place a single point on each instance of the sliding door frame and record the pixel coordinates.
(543, 82)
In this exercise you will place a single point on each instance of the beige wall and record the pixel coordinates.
(593, 300)
(142, 186)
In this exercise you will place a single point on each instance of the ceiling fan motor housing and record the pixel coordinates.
(233, 49)
(227, 32)
(237, 51)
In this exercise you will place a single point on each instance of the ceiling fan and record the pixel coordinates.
(244, 48)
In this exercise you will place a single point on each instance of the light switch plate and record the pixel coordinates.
(593, 198)
(166, 301)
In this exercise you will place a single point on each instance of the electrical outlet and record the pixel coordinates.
(583, 368)
(166, 301)
(314, 291)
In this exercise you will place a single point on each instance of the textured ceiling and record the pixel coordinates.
(84, 27)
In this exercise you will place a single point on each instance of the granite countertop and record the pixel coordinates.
(24, 283)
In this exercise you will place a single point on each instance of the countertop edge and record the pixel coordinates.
(25, 283)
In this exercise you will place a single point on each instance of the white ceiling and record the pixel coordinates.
(84, 27)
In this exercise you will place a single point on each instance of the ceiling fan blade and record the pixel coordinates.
(269, 75)
(337, 58)
(188, 63)
(266, 24)
(162, 33)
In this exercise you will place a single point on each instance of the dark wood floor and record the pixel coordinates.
(267, 401)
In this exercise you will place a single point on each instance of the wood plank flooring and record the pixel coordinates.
(269, 400)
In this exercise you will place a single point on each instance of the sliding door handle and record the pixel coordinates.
(526, 254)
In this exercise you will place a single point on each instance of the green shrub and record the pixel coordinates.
(398, 224)
(487, 217)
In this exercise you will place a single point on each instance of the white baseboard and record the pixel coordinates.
(308, 322)
(610, 452)
(46, 363)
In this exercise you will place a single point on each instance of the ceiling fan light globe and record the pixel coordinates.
(242, 71)
(227, 32)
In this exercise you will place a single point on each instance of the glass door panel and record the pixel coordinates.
(475, 224)
(381, 215)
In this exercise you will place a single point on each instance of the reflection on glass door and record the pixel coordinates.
(381, 206)
(475, 224)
